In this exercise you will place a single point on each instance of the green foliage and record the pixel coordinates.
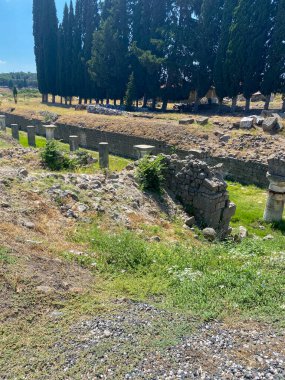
(20, 80)
(54, 159)
(210, 281)
(5, 256)
(130, 93)
(150, 173)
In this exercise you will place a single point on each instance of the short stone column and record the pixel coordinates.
(31, 132)
(50, 131)
(104, 155)
(276, 194)
(143, 150)
(3, 123)
(15, 131)
(73, 143)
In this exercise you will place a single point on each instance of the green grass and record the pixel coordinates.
(250, 201)
(5, 257)
(221, 280)
(213, 281)
(116, 163)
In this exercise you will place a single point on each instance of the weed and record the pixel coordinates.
(5, 256)
(54, 159)
(150, 173)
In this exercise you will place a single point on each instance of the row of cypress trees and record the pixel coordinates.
(160, 48)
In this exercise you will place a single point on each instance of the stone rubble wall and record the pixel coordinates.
(244, 171)
(202, 191)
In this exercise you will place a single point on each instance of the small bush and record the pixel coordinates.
(54, 159)
(150, 173)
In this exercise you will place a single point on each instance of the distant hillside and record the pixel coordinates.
(19, 80)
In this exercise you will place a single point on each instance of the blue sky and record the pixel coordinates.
(16, 37)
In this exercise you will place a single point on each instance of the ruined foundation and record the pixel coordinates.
(202, 191)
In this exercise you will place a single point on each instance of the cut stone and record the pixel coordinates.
(186, 121)
(202, 120)
(144, 150)
(246, 123)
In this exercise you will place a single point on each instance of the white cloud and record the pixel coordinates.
(2, 62)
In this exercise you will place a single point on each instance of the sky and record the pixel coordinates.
(16, 35)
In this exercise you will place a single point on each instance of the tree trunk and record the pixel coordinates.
(247, 104)
(53, 99)
(101, 101)
(46, 98)
(65, 100)
(85, 101)
(121, 102)
(144, 101)
(80, 100)
(196, 105)
(90, 101)
(234, 104)
(115, 102)
(267, 102)
(220, 105)
(43, 98)
(97, 101)
(61, 100)
(137, 103)
(107, 101)
(153, 104)
(283, 104)
(164, 105)
(70, 101)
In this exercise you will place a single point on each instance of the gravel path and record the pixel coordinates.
(139, 341)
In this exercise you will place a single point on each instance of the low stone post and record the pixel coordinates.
(3, 123)
(73, 143)
(50, 131)
(15, 131)
(276, 194)
(104, 155)
(31, 131)
(143, 150)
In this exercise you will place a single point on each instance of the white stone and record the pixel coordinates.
(246, 123)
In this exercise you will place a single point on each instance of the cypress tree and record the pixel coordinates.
(248, 36)
(90, 20)
(130, 93)
(45, 29)
(109, 62)
(221, 73)
(273, 80)
(208, 32)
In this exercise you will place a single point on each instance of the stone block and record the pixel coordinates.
(186, 121)
(246, 123)
(202, 120)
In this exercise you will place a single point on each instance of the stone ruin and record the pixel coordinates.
(276, 194)
(202, 191)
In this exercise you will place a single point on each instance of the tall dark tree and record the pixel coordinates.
(274, 80)
(109, 65)
(221, 73)
(208, 31)
(45, 30)
(249, 33)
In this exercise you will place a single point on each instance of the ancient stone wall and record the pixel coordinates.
(244, 171)
(202, 191)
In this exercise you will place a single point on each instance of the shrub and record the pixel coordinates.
(54, 159)
(150, 173)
